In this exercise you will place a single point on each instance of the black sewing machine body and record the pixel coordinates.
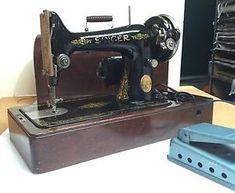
(142, 47)
(135, 113)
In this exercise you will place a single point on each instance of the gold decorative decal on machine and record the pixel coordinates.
(110, 38)
(93, 105)
(81, 41)
(140, 36)
(146, 83)
(123, 89)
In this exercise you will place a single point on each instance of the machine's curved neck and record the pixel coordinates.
(118, 39)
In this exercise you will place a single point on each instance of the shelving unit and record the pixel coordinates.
(222, 64)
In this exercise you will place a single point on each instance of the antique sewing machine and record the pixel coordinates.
(56, 133)
(143, 46)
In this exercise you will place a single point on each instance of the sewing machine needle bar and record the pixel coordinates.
(53, 99)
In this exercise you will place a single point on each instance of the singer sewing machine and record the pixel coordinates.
(58, 133)
(144, 46)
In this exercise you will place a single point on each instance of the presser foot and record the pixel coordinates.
(52, 104)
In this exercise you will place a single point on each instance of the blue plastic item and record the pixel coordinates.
(208, 150)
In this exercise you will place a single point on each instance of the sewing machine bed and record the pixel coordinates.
(54, 142)
(75, 111)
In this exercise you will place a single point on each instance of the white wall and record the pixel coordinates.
(19, 22)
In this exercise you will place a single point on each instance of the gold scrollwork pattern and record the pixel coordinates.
(93, 105)
(123, 89)
(81, 41)
(140, 36)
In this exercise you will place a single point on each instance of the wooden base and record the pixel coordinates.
(48, 149)
(9, 102)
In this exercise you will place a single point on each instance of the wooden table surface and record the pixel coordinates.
(223, 113)
(9, 102)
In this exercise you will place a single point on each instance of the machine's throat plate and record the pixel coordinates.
(82, 110)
